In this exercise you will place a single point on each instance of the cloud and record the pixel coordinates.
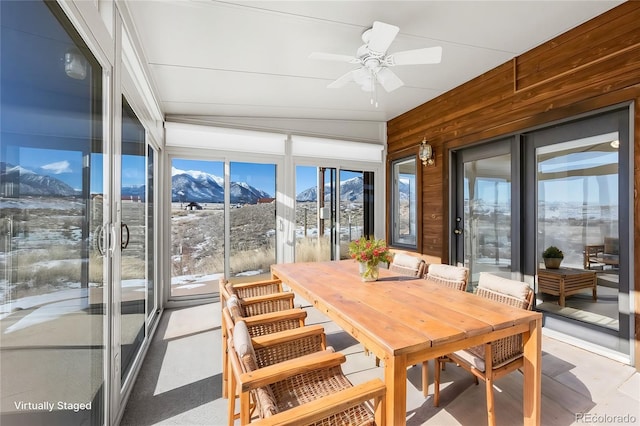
(58, 167)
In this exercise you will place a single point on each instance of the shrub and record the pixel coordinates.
(553, 252)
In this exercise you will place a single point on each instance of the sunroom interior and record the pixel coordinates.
(149, 148)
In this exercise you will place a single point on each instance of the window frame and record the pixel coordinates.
(392, 189)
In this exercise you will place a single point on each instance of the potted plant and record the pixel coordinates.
(369, 253)
(552, 257)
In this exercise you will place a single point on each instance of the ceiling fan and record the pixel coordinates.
(375, 62)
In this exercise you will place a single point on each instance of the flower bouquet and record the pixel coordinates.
(369, 253)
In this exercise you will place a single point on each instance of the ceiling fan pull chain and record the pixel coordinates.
(374, 93)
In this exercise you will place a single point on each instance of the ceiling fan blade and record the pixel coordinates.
(427, 55)
(381, 37)
(341, 81)
(388, 79)
(333, 57)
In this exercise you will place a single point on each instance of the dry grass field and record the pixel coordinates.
(42, 243)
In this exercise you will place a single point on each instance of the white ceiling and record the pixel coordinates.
(250, 58)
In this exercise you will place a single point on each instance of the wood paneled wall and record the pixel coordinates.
(590, 67)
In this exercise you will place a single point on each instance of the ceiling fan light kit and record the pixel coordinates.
(375, 63)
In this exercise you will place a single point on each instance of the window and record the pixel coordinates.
(197, 226)
(404, 206)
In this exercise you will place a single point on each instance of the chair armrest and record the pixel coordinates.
(281, 337)
(321, 408)
(277, 372)
(224, 295)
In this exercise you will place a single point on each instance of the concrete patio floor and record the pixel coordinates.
(180, 381)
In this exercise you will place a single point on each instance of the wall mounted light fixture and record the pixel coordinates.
(75, 65)
(426, 153)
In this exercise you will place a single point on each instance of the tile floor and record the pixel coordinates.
(180, 381)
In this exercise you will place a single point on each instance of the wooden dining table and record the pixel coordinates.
(405, 321)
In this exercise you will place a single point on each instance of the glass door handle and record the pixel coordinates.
(99, 239)
(124, 243)
(457, 231)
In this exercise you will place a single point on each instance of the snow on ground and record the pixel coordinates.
(73, 299)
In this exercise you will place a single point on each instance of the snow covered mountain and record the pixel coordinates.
(350, 190)
(18, 180)
(193, 185)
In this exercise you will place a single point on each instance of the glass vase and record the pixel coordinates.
(369, 272)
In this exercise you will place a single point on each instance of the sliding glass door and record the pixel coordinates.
(315, 213)
(136, 275)
(483, 226)
(223, 223)
(569, 187)
(330, 214)
(53, 292)
(355, 208)
(579, 188)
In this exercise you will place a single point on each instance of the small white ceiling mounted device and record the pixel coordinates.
(375, 62)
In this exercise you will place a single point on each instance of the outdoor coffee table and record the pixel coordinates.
(564, 282)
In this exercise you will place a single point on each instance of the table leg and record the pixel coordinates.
(532, 385)
(395, 379)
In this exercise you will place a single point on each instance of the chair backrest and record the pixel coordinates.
(406, 264)
(513, 293)
(448, 275)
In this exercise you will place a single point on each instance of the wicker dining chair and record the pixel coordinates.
(406, 264)
(455, 277)
(253, 298)
(451, 276)
(258, 325)
(492, 360)
(297, 383)
(256, 291)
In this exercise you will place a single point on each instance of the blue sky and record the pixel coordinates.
(67, 167)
